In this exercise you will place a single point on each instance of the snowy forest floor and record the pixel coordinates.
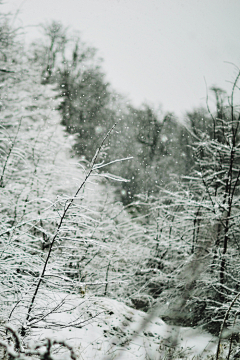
(111, 330)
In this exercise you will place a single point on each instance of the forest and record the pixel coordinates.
(118, 224)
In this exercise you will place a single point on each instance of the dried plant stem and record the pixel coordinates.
(66, 208)
(13, 142)
(223, 323)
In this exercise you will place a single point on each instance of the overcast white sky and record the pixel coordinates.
(157, 51)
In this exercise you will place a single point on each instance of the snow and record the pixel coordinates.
(114, 332)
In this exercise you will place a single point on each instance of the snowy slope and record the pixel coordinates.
(114, 332)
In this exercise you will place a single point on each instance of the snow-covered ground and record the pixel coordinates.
(114, 332)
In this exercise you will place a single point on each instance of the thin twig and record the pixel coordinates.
(67, 206)
(223, 323)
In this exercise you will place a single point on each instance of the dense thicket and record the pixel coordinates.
(196, 226)
(178, 249)
(191, 169)
(48, 255)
